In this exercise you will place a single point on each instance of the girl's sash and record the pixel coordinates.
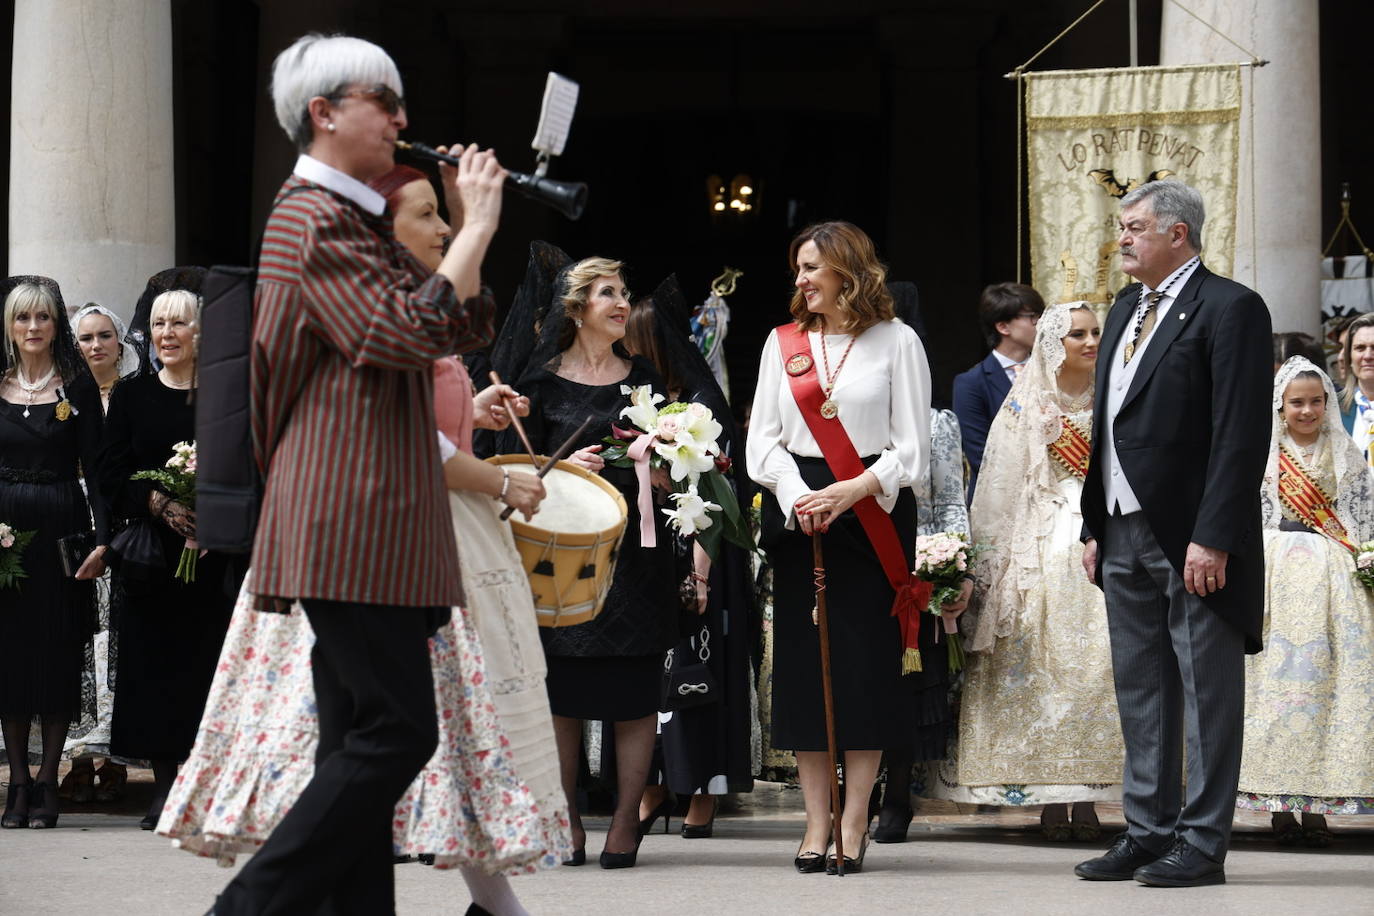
(1309, 502)
(1072, 449)
(912, 594)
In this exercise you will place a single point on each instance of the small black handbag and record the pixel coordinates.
(73, 551)
(687, 677)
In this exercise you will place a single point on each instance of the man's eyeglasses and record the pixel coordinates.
(1033, 316)
(384, 96)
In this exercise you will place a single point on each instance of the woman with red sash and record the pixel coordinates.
(840, 432)
(1309, 697)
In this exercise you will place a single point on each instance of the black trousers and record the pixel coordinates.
(332, 854)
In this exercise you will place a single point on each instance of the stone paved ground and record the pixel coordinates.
(955, 862)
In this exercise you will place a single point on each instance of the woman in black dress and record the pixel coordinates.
(49, 424)
(609, 668)
(169, 631)
(703, 751)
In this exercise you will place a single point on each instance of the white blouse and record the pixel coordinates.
(883, 394)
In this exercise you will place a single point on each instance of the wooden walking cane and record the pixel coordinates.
(823, 624)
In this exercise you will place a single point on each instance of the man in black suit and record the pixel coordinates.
(1171, 521)
(1008, 313)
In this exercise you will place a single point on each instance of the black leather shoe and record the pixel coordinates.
(892, 825)
(1120, 863)
(1184, 865)
(810, 863)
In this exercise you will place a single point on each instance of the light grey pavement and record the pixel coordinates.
(953, 863)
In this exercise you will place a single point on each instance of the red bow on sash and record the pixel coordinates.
(912, 594)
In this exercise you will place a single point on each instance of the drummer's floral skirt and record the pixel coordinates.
(255, 752)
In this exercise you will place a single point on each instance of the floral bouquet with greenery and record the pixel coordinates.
(944, 561)
(1364, 564)
(12, 544)
(682, 437)
(178, 478)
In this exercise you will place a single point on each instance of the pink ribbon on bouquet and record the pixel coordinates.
(638, 452)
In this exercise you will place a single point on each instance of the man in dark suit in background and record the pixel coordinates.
(1171, 521)
(1007, 313)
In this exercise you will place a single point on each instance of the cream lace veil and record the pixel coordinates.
(1018, 495)
(1354, 496)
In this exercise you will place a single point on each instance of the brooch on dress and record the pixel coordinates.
(64, 409)
(798, 364)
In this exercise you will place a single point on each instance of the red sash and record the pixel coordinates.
(1309, 502)
(912, 594)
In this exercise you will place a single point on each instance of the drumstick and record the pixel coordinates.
(515, 420)
(557, 456)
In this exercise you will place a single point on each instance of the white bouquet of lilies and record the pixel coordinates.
(1364, 564)
(683, 438)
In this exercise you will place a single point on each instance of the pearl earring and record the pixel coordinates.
(578, 322)
(329, 127)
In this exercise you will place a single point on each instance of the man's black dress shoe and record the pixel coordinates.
(1184, 865)
(1120, 863)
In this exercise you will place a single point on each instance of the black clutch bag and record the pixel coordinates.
(73, 551)
(687, 677)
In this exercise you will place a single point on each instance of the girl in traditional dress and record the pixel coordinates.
(1309, 697)
(1038, 722)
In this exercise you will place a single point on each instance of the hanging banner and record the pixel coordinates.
(1094, 135)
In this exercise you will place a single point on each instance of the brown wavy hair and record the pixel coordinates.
(846, 249)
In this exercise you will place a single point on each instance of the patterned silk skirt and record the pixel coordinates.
(1309, 696)
(489, 797)
(1038, 721)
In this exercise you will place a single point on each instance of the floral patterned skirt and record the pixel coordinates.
(1309, 696)
(472, 805)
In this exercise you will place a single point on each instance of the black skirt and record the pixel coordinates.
(876, 707)
(613, 688)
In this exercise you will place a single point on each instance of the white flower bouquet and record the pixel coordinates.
(178, 477)
(944, 561)
(12, 544)
(683, 438)
(1364, 564)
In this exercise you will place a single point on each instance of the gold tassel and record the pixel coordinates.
(911, 661)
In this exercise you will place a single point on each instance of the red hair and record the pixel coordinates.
(390, 184)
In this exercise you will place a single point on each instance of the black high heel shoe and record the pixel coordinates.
(809, 862)
(16, 805)
(42, 805)
(578, 857)
(852, 865)
(701, 831)
(621, 859)
(892, 826)
(663, 809)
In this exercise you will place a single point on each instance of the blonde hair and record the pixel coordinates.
(26, 297)
(577, 284)
(846, 249)
(178, 305)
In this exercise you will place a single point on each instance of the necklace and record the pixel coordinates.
(167, 380)
(32, 387)
(829, 409)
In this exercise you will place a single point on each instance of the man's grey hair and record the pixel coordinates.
(1172, 202)
(323, 65)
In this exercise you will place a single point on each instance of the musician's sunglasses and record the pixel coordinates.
(384, 96)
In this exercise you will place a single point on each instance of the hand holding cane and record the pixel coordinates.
(515, 420)
(823, 625)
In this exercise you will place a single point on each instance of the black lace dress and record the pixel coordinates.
(47, 618)
(170, 632)
(611, 667)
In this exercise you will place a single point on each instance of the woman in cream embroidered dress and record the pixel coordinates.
(1038, 721)
(1309, 697)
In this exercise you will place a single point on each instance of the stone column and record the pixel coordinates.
(1280, 255)
(91, 184)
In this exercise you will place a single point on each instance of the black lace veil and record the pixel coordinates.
(66, 356)
(188, 278)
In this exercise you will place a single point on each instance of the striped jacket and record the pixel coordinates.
(346, 329)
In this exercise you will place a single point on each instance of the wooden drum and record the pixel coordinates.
(569, 548)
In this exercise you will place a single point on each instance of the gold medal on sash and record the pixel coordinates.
(64, 409)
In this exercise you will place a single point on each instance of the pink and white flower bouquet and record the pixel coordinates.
(12, 544)
(945, 561)
(682, 437)
(1364, 564)
(178, 478)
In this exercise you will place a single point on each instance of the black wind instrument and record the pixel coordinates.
(567, 197)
